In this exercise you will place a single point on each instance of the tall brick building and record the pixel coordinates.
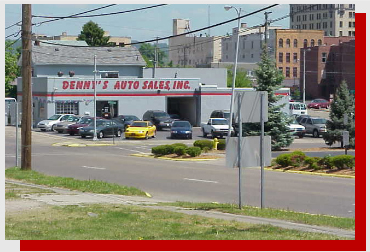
(328, 65)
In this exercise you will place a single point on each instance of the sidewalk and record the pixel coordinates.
(63, 197)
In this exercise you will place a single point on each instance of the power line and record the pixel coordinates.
(74, 15)
(105, 14)
(13, 25)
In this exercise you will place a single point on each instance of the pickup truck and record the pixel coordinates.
(216, 127)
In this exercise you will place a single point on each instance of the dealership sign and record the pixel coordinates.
(129, 84)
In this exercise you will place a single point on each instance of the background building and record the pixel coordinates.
(191, 50)
(334, 19)
(328, 65)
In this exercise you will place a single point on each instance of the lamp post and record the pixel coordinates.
(304, 74)
(95, 138)
(238, 11)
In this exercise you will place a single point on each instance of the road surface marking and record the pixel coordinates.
(350, 211)
(92, 167)
(200, 180)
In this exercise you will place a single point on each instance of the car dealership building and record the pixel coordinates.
(63, 82)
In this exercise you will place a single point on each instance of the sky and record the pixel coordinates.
(141, 25)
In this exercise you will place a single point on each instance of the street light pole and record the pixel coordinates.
(235, 67)
(94, 138)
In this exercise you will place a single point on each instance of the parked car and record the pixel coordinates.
(297, 108)
(314, 125)
(217, 127)
(319, 103)
(159, 118)
(296, 129)
(62, 127)
(126, 119)
(84, 121)
(181, 129)
(300, 118)
(104, 127)
(220, 114)
(141, 129)
(49, 124)
(175, 117)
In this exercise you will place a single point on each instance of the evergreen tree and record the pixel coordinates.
(93, 35)
(343, 103)
(269, 79)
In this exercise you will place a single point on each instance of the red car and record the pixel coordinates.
(319, 103)
(84, 121)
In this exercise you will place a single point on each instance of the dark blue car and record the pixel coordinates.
(181, 129)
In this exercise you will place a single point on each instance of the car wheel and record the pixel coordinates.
(119, 133)
(52, 128)
(204, 133)
(213, 135)
(43, 129)
(301, 135)
(83, 136)
(155, 134)
(100, 134)
(60, 131)
(315, 133)
(190, 136)
(71, 134)
(146, 136)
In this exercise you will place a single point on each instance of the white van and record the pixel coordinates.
(297, 108)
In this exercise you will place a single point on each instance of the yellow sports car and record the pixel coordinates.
(140, 129)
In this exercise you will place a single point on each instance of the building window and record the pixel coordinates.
(243, 56)
(318, 17)
(288, 43)
(350, 14)
(227, 56)
(295, 72)
(304, 27)
(287, 72)
(340, 33)
(323, 57)
(319, 42)
(305, 43)
(324, 25)
(281, 57)
(295, 57)
(341, 24)
(331, 24)
(331, 14)
(304, 17)
(318, 26)
(325, 15)
(295, 43)
(252, 44)
(349, 24)
(287, 57)
(280, 43)
(227, 46)
(243, 44)
(281, 69)
(312, 43)
(252, 55)
(66, 108)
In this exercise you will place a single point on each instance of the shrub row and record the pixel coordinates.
(298, 158)
(206, 145)
(176, 148)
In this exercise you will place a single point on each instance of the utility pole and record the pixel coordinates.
(155, 58)
(26, 163)
(266, 26)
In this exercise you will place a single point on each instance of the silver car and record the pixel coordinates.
(49, 124)
(62, 127)
(314, 125)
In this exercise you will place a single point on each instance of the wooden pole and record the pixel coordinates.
(26, 162)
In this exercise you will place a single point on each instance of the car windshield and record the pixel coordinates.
(181, 124)
(160, 114)
(55, 117)
(131, 118)
(294, 121)
(139, 124)
(299, 106)
(72, 119)
(220, 122)
(85, 120)
(319, 121)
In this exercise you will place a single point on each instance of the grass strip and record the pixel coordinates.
(297, 217)
(120, 222)
(94, 186)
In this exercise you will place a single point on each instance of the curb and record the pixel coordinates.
(81, 145)
(313, 173)
(173, 159)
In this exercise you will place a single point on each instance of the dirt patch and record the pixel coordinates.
(345, 172)
(212, 154)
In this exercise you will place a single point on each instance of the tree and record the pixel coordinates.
(147, 51)
(12, 70)
(269, 79)
(241, 79)
(93, 35)
(343, 103)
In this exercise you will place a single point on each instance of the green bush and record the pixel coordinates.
(179, 144)
(203, 143)
(193, 151)
(206, 149)
(284, 160)
(179, 150)
(162, 150)
(312, 162)
(221, 144)
(343, 161)
(327, 162)
(297, 158)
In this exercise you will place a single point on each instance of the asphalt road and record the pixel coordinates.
(207, 181)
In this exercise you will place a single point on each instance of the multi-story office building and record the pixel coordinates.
(191, 50)
(334, 19)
